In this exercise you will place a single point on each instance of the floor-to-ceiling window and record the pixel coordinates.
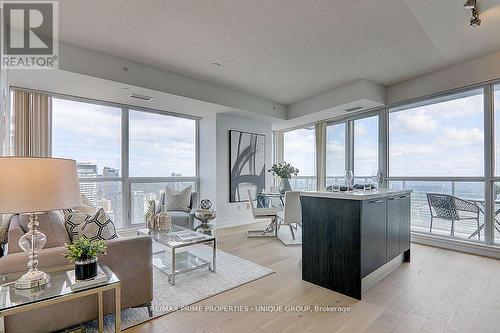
(336, 153)
(162, 153)
(299, 149)
(496, 183)
(446, 148)
(119, 170)
(91, 134)
(436, 149)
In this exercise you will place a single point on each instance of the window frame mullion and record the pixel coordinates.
(126, 190)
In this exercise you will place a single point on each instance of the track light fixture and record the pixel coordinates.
(475, 21)
(470, 4)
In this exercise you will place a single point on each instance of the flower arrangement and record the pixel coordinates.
(284, 170)
(84, 249)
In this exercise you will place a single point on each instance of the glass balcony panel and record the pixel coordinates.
(469, 196)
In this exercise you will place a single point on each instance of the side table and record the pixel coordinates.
(14, 301)
(205, 216)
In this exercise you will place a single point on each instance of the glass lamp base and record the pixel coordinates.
(32, 279)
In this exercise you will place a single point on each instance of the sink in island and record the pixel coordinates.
(350, 240)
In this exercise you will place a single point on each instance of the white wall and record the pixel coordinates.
(464, 74)
(207, 163)
(230, 214)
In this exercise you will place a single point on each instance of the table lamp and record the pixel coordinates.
(36, 185)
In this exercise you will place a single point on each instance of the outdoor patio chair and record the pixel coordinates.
(450, 208)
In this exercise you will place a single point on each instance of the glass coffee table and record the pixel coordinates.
(172, 260)
(14, 300)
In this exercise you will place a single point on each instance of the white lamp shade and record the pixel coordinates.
(30, 184)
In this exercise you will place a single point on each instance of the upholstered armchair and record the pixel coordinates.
(182, 218)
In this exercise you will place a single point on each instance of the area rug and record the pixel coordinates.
(191, 287)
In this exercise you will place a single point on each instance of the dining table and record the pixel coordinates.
(481, 205)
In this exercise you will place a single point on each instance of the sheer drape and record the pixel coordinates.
(4, 115)
(32, 113)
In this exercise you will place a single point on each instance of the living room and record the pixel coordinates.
(269, 166)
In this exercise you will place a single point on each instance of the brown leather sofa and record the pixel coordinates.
(129, 258)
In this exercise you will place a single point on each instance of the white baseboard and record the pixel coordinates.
(459, 245)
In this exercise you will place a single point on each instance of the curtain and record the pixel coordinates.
(320, 155)
(4, 115)
(32, 113)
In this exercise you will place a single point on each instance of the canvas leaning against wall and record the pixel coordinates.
(247, 165)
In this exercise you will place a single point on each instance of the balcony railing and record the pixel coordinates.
(420, 212)
(303, 183)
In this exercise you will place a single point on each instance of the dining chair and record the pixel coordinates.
(267, 213)
(292, 213)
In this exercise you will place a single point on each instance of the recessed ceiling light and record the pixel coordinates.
(216, 64)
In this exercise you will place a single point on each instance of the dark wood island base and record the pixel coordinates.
(347, 237)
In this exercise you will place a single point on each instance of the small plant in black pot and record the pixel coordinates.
(83, 252)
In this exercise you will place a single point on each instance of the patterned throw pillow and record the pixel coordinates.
(178, 201)
(72, 219)
(97, 227)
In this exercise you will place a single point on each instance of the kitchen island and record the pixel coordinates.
(350, 240)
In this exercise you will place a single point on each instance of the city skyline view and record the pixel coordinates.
(91, 133)
(159, 145)
(440, 138)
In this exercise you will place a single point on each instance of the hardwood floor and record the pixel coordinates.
(439, 291)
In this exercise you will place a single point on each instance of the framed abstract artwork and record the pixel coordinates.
(247, 165)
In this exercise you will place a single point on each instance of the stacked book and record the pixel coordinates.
(75, 284)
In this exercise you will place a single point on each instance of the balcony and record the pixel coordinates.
(420, 212)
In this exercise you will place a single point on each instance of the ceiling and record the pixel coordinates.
(284, 50)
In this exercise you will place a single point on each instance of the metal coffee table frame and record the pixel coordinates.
(62, 294)
(172, 268)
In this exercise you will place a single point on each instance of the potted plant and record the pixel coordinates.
(83, 252)
(285, 171)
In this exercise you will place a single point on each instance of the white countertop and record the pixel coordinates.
(356, 194)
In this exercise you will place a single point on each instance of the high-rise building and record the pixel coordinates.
(138, 206)
(86, 169)
(89, 189)
(110, 172)
(111, 191)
